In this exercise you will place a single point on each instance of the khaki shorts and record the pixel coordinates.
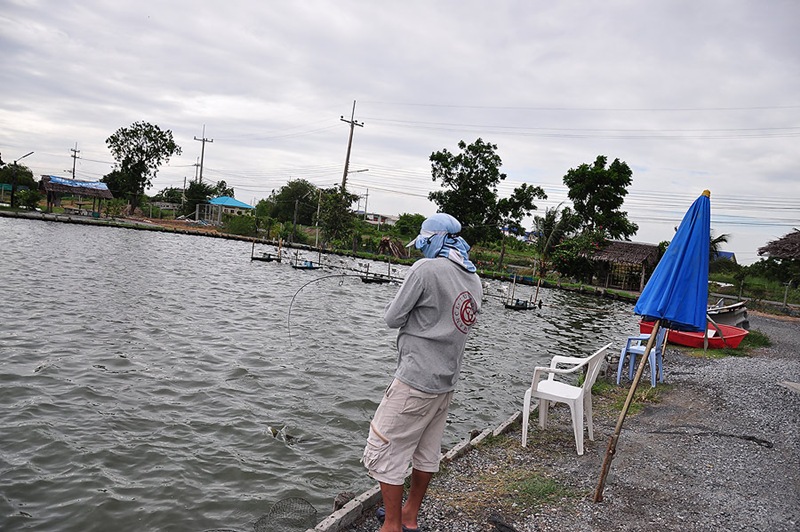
(407, 428)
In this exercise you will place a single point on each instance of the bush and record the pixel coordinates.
(240, 225)
(28, 198)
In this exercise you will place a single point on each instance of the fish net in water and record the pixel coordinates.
(288, 515)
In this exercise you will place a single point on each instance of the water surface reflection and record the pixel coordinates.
(149, 380)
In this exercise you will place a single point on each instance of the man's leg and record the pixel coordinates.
(419, 485)
(393, 504)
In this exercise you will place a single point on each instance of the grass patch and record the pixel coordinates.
(611, 396)
(536, 490)
(756, 339)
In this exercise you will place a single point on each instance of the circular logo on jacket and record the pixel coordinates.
(464, 312)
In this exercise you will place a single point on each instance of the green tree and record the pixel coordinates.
(24, 176)
(550, 230)
(139, 151)
(222, 189)
(715, 245)
(571, 257)
(470, 179)
(169, 195)
(597, 193)
(240, 225)
(408, 225)
(196, 193)
(337, 218)
(29, 198)
(511, 210)
(297, 196)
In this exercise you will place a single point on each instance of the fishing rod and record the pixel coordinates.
(289, 314)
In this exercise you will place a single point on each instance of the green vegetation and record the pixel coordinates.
(537, 489)
(469, 181)
(139, 150)
(560, 251)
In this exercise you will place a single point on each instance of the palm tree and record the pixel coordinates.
(715, 245)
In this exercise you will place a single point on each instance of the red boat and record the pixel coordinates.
(731, 336)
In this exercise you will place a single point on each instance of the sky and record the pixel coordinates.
(692, 95)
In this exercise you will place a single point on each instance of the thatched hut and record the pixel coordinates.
(55, 187)
(786, 247)
(625, 265)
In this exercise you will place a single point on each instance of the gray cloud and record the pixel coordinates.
(692, 95)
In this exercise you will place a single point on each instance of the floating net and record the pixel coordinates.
(288, 515)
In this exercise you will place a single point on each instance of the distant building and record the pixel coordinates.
(231, 205)
(377, 219)
(56, 187)
(212, 211)
(623, 264)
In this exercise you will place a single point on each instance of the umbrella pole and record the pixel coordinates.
(612, 442)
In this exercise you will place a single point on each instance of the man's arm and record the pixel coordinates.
(397, 311)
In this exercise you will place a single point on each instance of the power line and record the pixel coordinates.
(588, 109)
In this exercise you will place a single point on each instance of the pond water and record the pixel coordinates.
(153, 381)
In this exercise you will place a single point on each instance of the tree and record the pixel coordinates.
(296, 198)
(470, 180)
(552, 229)
(715, 245)
(597, 193)
(511, 210)
(139, 151)
(408, 225)
(336, 217)
(24, 175)
(571, 257)
(169, 195)
(196, 193)
(29, 198)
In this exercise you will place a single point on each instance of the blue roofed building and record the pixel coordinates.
(231, 205)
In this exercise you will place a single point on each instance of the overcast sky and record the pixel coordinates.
(691, 94)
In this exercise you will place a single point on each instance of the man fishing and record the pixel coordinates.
(434, 310)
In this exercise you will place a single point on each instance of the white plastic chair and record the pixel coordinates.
(579, 398)
(635, 346)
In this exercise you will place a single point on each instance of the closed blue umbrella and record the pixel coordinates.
(676, 296)
(677, 292)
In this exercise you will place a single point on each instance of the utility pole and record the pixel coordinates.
(319, 202)
(14, 178)
(74, 156)
(203, 150)
(366, 197)
(352, 123)
(294, 220)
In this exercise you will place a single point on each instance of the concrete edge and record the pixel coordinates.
(354, 509)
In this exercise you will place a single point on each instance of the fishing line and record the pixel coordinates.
(289, 314)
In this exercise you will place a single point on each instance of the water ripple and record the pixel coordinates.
(149, 381)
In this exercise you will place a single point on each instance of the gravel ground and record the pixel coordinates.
(719, 450)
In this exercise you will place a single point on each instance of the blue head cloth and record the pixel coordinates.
(438, 237)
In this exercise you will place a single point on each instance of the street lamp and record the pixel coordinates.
(14, 178)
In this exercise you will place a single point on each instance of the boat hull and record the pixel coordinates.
(734, 314)
(731, 336)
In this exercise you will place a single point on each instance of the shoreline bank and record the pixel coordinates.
(718, 452)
